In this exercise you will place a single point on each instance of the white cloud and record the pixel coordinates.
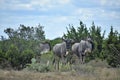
(83, 13)
(14, 5)
(32, 4)
(48, 4)
(103, 2)
(96, 14)
(112, 3)
(64, 1)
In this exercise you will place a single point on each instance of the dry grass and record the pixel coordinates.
(100, 74)
(22, 75)
(95, 70)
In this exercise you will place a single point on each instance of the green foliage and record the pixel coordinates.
(21, 46)
(26, 33)
(95, 32)
(55, 41)
(12, 55)
(25, 57)
(111, 48)
(17, 60)
(71, 33)
(39, 33)
(77, 34)
(1, 54)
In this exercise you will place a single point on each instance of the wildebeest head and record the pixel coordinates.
(88, 50)
(68, 43)
(86, 46)
(90, 40)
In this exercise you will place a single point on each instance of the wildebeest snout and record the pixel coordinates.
(88, 50)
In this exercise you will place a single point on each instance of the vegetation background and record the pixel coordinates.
(21, 52)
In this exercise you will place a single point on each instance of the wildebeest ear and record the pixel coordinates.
(72, 41)
(89, 38)
(63, 39)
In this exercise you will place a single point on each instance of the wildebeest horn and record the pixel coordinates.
(64, 39)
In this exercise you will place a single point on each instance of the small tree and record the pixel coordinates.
(77, 34)
(113, 47)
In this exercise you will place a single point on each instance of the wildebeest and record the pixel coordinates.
(83, 47)
(60, 50)
(44, 47)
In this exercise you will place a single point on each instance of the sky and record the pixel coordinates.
(56, 15)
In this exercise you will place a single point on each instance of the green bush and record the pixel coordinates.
(16, 59)
(34, 66)
(26, 57)
(12, 56)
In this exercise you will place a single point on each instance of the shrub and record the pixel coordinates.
(12, 56)
(98, 63)
(86, 69)
(34, 66)
(26, 57)
(65, 67)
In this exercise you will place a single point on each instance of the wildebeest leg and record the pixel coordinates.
(83, 59)
(63, 60)
(53, 61)
(56, 64)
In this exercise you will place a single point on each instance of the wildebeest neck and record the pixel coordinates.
(68, 44)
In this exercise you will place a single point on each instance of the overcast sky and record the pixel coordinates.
(55, 15)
